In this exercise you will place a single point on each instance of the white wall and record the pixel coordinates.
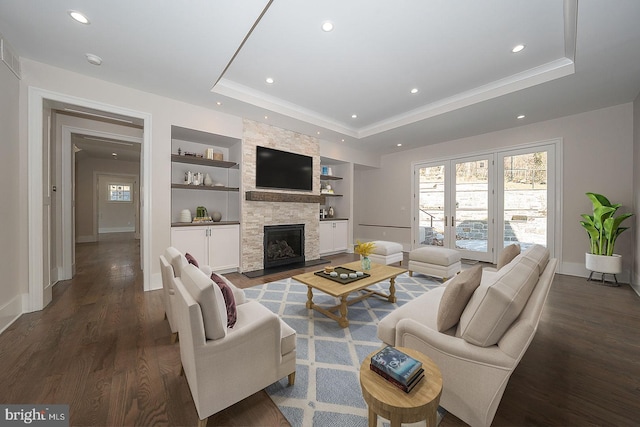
(598, 157)
(636, 193)
(13, 248)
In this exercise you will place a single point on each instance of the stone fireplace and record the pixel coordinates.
(283, 245)
(293, 208)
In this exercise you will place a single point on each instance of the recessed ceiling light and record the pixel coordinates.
(414, 90)
(77, 16)
(327, 26)
(266, 117)
(218, 103)
(269, 80)
(517, 48)
(520, 117)
(354, 116)
(318, 132)
(398, 145)
(93, 59)
(342, 139)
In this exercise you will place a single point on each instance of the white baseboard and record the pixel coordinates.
(578, 269)
(10, 312)
(117, 230)
(86, 239)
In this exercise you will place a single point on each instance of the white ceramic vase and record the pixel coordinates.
(604, 263)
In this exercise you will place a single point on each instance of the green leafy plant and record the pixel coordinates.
(603, 227)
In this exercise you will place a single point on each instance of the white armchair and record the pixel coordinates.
(225, 365)
(168, 293)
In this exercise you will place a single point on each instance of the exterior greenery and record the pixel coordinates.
(602, 227)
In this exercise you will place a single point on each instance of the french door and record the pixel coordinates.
(455, 205)
(480, 204)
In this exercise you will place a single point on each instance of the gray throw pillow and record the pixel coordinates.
(456, 296)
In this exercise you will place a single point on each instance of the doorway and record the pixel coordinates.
(39, 105)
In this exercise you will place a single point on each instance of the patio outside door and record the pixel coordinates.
(454, 206)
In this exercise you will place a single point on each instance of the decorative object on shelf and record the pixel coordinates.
(185, 215)
(329, 171)
(327, 190)
(216, 216)
(218, 156)
(197, 178)
(179, 151)
(364, 250)
(201, 211)
(207, 179)
(188, 177)
(324, 170)
(603, 230)
(209, 153)
(330, 212)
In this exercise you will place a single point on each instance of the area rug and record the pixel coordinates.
(327, 387)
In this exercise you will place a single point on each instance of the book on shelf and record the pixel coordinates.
(396, 364)
(404, 387)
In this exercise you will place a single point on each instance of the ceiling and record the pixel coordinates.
(579, 55)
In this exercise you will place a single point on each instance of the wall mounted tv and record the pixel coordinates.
(283, 170)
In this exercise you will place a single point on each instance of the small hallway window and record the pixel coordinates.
(119, 193)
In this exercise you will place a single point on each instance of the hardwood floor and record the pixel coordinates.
(102, 346)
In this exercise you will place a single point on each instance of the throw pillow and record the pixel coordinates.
(229, 300)
(191, 259)
(456, 296)
(507, 255)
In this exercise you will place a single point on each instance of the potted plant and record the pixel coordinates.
(603, 229)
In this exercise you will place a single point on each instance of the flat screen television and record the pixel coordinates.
(283, 170)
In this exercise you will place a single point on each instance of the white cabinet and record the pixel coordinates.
(333, 236)
(216, 245)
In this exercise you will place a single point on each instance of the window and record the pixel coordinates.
(119, 193)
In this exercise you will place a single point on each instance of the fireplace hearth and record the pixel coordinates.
(283, 245)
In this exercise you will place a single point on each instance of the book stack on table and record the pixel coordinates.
(398, 368)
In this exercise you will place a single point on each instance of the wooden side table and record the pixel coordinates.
(388, 401)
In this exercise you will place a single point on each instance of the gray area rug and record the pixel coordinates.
(327, 388)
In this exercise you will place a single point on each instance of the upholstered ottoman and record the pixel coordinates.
(386, 252)
(435, 261)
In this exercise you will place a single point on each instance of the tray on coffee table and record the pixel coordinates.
(340, 270)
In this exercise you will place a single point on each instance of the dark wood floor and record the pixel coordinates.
(102, 346)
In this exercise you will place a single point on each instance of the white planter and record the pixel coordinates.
(603, 263)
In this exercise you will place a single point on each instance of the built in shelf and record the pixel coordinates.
(204, 187)
(266, 196)
(329, 177)
(202, 161)
(331, 195)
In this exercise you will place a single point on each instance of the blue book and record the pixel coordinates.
(396, 364)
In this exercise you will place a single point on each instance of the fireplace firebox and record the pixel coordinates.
(283, 245)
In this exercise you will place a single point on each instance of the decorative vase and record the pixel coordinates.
(207, 180)
(366, 263)
(216, 216)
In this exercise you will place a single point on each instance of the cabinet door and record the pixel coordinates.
(193, 240)
(224, 248)
(340, 239)
(326, 236)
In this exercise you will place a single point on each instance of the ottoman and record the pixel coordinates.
(435, 261)
(386, 252)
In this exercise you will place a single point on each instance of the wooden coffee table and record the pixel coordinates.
(388, 401)
(378, 273)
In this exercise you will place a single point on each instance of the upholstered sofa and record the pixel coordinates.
(479, 353)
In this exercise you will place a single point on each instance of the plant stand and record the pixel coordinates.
(603, 282)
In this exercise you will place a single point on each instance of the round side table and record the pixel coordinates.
(386, 400)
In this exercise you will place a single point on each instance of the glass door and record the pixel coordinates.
(472, 212)
(528, 197)
(453, 206)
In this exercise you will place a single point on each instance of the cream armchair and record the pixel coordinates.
(478, 355)
(168, 293)
(225, 365)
